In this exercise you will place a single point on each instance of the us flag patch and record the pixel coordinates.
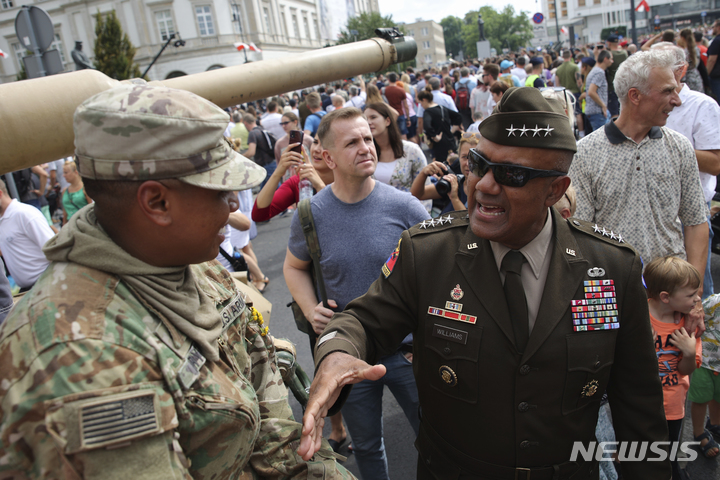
(118, 420)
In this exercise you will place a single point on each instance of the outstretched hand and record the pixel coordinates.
(336, 370)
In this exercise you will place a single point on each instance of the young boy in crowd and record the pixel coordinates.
(705, 384)
(672, 288)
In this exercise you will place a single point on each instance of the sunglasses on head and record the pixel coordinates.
(505, 173)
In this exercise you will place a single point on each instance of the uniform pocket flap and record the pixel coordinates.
(110, 417)
(590, 352)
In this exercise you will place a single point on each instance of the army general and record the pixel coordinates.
(521, 320)
(134, 356)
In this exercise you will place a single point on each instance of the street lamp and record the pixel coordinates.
(178, 43)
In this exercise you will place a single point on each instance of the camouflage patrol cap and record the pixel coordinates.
(525, 118)
(144, 132)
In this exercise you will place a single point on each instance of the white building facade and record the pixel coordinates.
(590, 17)
(210, 29)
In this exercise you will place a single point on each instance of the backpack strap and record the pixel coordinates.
(308, 225)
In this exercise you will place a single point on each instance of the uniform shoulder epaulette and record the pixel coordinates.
(599, 232)
(441, 223)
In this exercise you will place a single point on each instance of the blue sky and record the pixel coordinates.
(409, 10)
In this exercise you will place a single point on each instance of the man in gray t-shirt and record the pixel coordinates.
(596, 87)
(358, 222)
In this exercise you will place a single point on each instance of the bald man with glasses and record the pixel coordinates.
(521, 320)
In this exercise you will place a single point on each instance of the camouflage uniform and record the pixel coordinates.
(97, 384)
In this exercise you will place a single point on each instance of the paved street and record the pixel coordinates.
(270, 247)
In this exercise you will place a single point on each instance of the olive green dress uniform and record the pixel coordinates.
(482, 401)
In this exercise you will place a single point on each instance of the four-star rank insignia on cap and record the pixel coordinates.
(390, 262)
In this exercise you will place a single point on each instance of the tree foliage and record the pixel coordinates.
(504, 29)
(114, 53)
(365, 24)
(453, 33)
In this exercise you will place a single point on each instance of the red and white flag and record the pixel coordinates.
(3, 54)
(564, 30)
(251, 47)
(643, 7)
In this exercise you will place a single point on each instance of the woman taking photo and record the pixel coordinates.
(273, 200)
(399, 161)
(288, 122)
(439, 124)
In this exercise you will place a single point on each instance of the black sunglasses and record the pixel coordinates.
(505, 173)
(284, 123)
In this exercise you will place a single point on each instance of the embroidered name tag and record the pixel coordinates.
(460, 317)
(450, 334)
(232, 311)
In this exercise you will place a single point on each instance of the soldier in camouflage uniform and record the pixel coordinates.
(130, 358)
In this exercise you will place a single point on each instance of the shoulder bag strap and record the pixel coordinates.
(313, 244)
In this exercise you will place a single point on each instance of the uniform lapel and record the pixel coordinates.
(564, 275)
(477, 264)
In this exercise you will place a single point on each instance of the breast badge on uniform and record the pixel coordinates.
(598, 310)
(390, 263)
(457, 293)
(460, 317)
(590, 389)
(448, 376)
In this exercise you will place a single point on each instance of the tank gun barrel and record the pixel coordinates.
(37, 115)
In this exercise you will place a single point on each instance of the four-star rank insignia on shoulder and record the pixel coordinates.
(390, 262)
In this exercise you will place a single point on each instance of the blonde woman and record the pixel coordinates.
(73, 197)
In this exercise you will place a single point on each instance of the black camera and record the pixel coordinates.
(443, 187)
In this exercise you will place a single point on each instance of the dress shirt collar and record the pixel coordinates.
(535, 251)
(616, 137)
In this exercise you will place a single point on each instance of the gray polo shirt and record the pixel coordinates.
(644, 191)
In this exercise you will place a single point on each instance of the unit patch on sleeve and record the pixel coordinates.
(390, 263)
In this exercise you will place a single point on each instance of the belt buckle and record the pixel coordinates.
(525, 471)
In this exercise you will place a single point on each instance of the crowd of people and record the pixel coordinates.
(627, 154)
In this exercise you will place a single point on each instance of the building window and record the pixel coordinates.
(20, 52)
(306, 24)
(551, 14)
(296, 27)
(614, 21)
(205, 20)
(316, 26)
(283, 20)
(165, 24)
(236, 19)
(426, 45)
(266, 15)
(596, 2)
(564, 13)
(428, 58)
(581, 3)
(57, 44)
(7, 4)
(411, 33)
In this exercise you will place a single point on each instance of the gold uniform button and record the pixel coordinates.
(448, 375)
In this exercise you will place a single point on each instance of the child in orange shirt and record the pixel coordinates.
(672, 287)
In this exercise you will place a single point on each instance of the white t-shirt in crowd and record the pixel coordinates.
(384, 171)
(271, 123)
(698, 120)
(520, 73)
(23, 232)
